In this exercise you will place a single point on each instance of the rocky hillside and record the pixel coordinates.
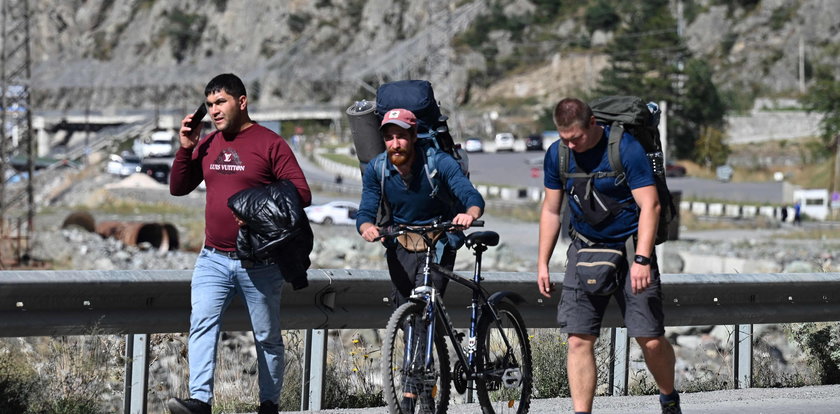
(123, 54)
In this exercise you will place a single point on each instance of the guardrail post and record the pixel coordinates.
(619, 342)
(743, 360)
(315, 362)
(136, 373)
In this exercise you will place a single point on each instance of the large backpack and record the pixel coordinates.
(418, 97)
(631, 114)
(433, 135)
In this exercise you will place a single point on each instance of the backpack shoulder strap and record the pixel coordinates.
(613, 151)
(384, 211)
(431, 169)
(563, 163)
(563, 154)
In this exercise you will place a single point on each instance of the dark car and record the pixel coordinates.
(534, 143)
(158, 171)
(674, 170)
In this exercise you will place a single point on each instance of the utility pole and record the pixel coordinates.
(16, 117)
(801, 64)
(835, 179)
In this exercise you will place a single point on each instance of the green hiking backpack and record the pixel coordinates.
(631, 114)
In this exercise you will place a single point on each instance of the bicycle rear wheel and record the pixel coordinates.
(504, 357)
(403, 368)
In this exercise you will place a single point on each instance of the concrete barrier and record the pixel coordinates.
(767, 211)
(732, 210)
(715, 209)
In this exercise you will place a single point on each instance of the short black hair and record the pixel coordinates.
(227, 82)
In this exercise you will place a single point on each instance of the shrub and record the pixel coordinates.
(548, 353)
(18, 381)
(821, 341)
(601, 16)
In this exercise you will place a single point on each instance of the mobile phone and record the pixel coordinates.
(197, 116)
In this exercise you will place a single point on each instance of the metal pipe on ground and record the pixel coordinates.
(134, 233)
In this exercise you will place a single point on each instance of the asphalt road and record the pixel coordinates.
(524, 169)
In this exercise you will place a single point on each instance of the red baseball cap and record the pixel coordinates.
(402, 117)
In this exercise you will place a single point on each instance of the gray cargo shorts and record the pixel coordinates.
(580, 313)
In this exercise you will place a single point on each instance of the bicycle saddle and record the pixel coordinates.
(485, 238)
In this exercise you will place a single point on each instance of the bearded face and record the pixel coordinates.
(400, 144)
(400, 156)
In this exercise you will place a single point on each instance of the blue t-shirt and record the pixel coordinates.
(638, 173)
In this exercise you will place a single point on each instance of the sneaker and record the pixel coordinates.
(268, 407)
(188, 406)
(672, 407)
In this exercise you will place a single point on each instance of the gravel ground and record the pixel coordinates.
(805, 400)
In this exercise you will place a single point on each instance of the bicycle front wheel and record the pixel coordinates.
(504, 359)
(409, 385)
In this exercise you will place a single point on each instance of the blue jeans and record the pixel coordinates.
(216, 279)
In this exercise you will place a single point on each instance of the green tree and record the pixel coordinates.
(701, 107)
(711, 149)
(601, 15)
(649, 59)
(824, 97)
(645, 54)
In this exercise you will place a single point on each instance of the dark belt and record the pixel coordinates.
(230, 255)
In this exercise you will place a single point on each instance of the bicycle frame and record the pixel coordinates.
(435, 311)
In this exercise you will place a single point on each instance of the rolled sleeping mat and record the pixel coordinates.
(364, 126)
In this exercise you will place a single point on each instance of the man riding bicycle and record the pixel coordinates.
(399, 182)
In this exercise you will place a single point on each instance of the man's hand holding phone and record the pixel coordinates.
(191, 127)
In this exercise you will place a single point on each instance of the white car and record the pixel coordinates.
(504, 141)
(473, 145)
(159, 144)
(124, 165)
(334, 212)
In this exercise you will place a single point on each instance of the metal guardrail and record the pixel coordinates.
(52, 303)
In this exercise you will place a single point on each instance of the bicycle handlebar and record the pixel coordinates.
(399, 229)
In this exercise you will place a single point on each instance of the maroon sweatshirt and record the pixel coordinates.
(255, 157)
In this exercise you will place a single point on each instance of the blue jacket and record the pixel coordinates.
(412, 203)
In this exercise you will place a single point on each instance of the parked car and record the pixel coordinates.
(674, 170)
(122, 165)
(534, 142)
(157, 170)
(159, 144)
(473, 145)
(504, 141)
(334, 212)
(724, 173)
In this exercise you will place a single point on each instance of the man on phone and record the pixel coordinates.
(240, 154)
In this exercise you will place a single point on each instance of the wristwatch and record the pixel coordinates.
(642, 260)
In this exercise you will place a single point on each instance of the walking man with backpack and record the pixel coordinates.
(613, 215)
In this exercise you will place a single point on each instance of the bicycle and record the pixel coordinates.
(495, 361)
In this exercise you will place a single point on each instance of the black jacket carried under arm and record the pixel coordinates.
(277, 229)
